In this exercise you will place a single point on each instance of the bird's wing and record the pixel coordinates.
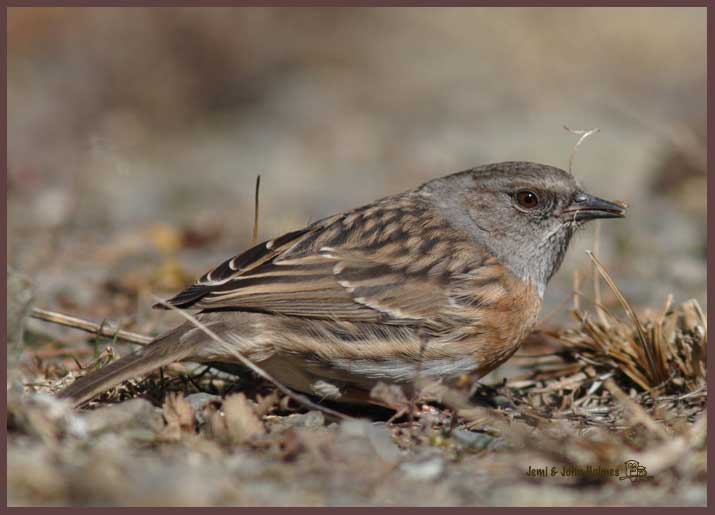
(389, 262)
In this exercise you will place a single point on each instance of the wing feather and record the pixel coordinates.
(351, 267)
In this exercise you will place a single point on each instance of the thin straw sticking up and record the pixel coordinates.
(255, 209)
(576, 291)
(624, 303)
(597, 277)
(584, 133)
(653, 352)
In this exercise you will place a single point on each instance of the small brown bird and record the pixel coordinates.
(440, 281)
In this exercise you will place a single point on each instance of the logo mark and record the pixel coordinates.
(635, 472)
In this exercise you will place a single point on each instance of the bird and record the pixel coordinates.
(438, 282)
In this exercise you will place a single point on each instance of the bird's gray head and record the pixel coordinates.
(524, 213)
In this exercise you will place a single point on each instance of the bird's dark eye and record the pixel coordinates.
(527, 199)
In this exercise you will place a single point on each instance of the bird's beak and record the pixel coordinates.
(587, 207)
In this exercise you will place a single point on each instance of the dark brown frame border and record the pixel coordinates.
(319, 3)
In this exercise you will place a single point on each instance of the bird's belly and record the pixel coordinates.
(339, 379)
(402, 370)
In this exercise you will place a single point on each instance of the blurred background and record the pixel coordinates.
(135, 135)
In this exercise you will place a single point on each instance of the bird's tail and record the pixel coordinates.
(164, 350)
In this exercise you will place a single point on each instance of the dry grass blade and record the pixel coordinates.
(584, 134)
(576, 291)
(90, 327)
(256, 209)
(617, 292)
(651, 347)
(597, 277)
(659, 359)
(637, 413)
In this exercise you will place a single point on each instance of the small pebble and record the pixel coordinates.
(424, 470)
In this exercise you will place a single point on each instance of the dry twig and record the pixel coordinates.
(90, 327)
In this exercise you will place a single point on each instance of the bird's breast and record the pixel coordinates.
(497, 311)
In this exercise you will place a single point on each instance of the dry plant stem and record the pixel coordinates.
(90, 327)
(576, 290)
(300, 399)
(637, 413)
(649, 351)
(597, 277)
(55, 353)
(255, 209)
(666, 306)
(584, 134)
